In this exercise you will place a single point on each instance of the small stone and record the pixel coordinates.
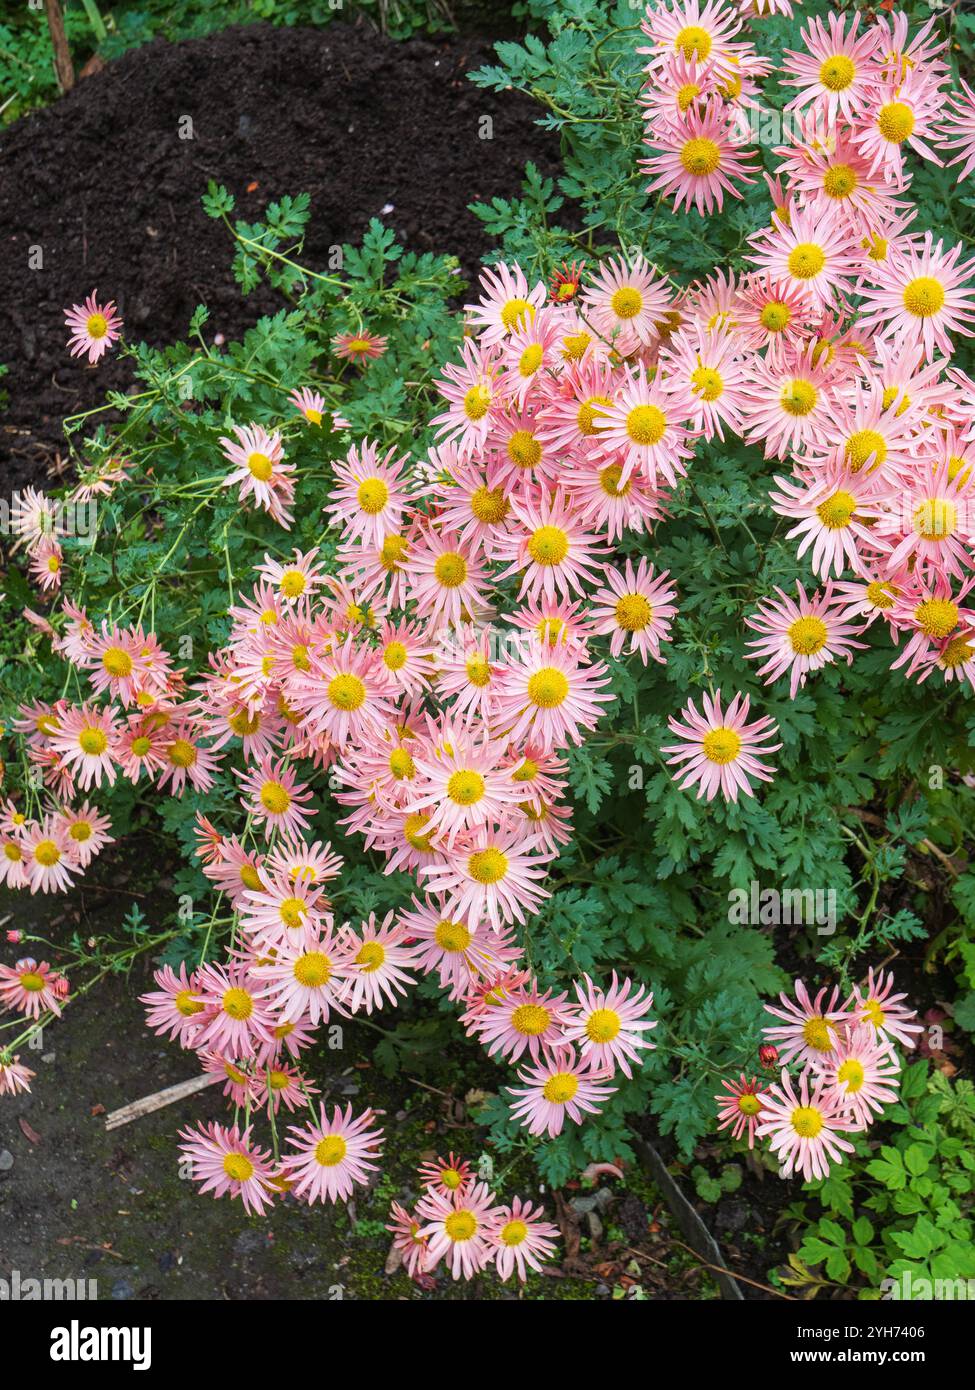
(6, 1160)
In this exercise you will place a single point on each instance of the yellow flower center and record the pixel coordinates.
(117, 662)
(346, 691)
(413, 832)
(313, 969)
(96, 325)
(331, 1150)
(633, 613)
(837, 511)
(275, 798)
(513, 1233)
(561, 1087)
(603, 1025)
(477, 402)
(818, 1034)
(549, 545)
(707, 383)
(806, 260)
(478, 670)
(693, 42)
(609, 481)
(292, 912)
(807, 1121)
(238, 1004)
(626, 302)
(587, 414)
(524, 450)
(530, 1019)
(839, 181)
(530, 360)
(775, 316)
(370, 956)
(260, 466)
(93, 741)
(373, 495)
(392, 552)
(807, 635)
(465, 787)
(700, 156)
(895, 121)
(881, 595)
(548, 687)
(936, 617)
(686, 94)
(646, 424)
(958, 652)
(452, 936)
(837, 72)
(749, 1104)
(863, 445)
(182, 753)
(460, 1225)
(798, 397)
(490, 504)
(186, 1004)
(81, 831)
(450, 569)
(487, 865)
(47, 853)
(924, 296)
(249, 876)
(851, 1073)
(238, 1167)
(515, 311)
(935, 519)
(721, 745)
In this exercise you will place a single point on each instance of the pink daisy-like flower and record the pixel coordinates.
(608, 1024)
(811, 1029)
(740, 1106)
(802, 636)
(260, 470)
(958, 129)
(13, 860)
(460, 952)
(788, 400)
(835, 508)
(902, 112)
(874, 1003)
(48, 856)
(932, 526)
(372, 494)
(173, 1010)
(496, 877)
(282, 1085)
(30, 988)
(359, 347)
(410, 1245)
(838, 71)
(86, 742)
(686, 27)
(710, 365)
(446, 1175)
(348, 694)
(506, 303)
(446, 579)
(804, 1130)
(470, 389)
(643, 430)
(94, 327)
(546, 695)
(521, 1019)
(47, 565)
(235, 1014)
(458, 1226)
(522, 1240)
(14, 1076)
(626, 303)
(305, 978)
(185, 759)
(864, 1071)
(461, 783)
(558, 1085)
(225, 1160)
(551, 549)
(312, 405)
(294, 580)
(813, 254)
(273, 797)
(375, 957)
(331, 1157)
(918, 297)
(699, 158)
(87, 832)
(636, 608)
(721, 750)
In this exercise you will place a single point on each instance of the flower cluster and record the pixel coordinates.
(849, 1071)
(459, 1220)
(834, 347)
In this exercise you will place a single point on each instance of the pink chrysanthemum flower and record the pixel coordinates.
(347, 695)
(173, 1010)
(470, 389)
(608, 1024)
(312, 405)
(551, 549)
(527, 356)
(260, 470)
(13, 860)
(458, 1226)
(375, 957)
(87, 832)
(235, 1014)
(811, 1028)
(273, 797)
(86, 742)
(48, 857)
(709, 364)
(864, 1071)
(294, 580)
(643, 429)
(801, 636)
(461, 784)
(225, 1160)
(903, 111)
(521, 1019)
(14, 1076)
(30, 988)
(702, 32)
(410, 1245)
(740, 1106)
(813, 254)
(788, 400)
(186, 759)
(932, 526)
(282, 1085)
(47, 565)
(834, 510)
(772, 315)
(918, 297)
(546, 695)
(838, 71)
(305, 978)
(559, 1085)
(496, 877)
(636, 608)
(332, 1156)
(459, 952)
(359, 347)
(446, 579)
(371, 495)
(721, 750)
(958, 129)
(522, 1240)
(94, 327)
(626, 303)
(804, 1130)
(874, 1003)
(445, 1175)
(506, 303)
(699, 158)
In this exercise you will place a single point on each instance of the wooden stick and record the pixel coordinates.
(158, 1100)
(59, 40)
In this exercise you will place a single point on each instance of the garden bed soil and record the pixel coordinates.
(103, 184)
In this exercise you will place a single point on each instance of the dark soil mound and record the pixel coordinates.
(104, 185)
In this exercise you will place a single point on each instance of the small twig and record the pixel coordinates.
(733, 1275)
(158, 1100)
